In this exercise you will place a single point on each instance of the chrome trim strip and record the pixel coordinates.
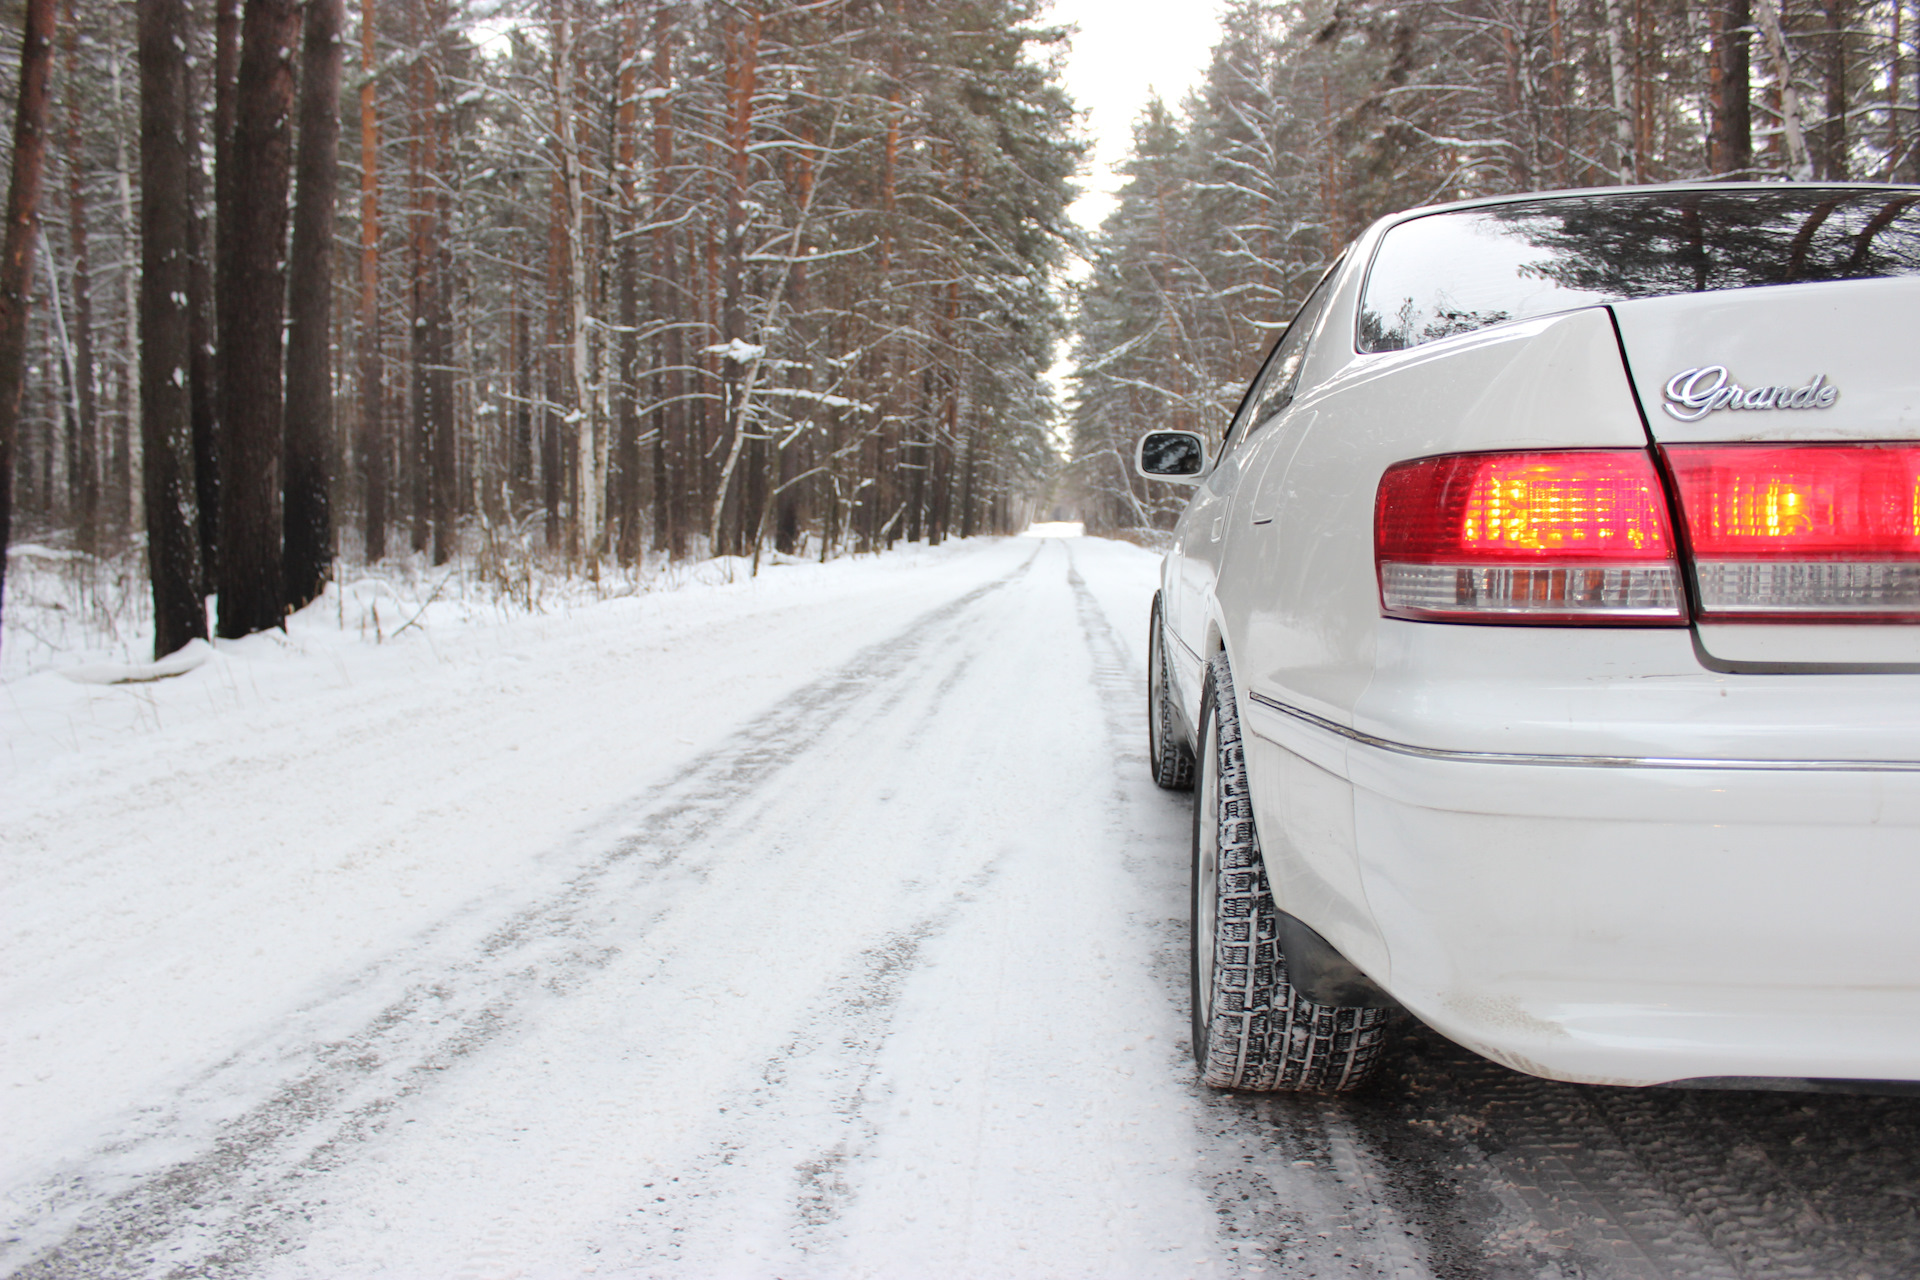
(1586, 762)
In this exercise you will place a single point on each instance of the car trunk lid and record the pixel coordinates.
(1780, 414)
(1812, 362)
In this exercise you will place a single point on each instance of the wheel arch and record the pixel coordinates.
(1325, 969)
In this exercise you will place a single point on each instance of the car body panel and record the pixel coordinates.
(1304, 807)
(1302, 589)
(1856, 334)
(1860, 646)
(1618, 925)
(1645, 925)
(1626, 693)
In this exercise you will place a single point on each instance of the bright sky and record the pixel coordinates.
(1124, 51)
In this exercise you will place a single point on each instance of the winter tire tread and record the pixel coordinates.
(1262, 1035)
(1170, 758)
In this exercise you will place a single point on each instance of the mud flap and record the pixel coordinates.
(1322, 974)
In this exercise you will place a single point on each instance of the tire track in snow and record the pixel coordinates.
(1776, 1181)
(1511, 1177)
(827, 1065)
(208, 1182)
(1022, 1142)
(1575, 1196)
(842, 1110)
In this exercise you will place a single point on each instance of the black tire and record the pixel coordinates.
(1251, 1029)
(1170, 758)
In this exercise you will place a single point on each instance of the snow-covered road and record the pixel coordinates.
(821, 925)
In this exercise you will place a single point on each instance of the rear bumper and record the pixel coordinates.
(1635, 921)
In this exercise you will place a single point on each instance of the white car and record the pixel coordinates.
(1541, 645)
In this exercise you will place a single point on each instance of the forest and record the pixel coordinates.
(1315, 118)
(583, 281)
(288, 286)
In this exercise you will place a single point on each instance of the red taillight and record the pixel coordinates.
(1802, 531)
(1560, 536)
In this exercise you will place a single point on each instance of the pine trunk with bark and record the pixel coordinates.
(85, 475)
(308, 443)
(1731, 142)
(419, 252)
(624, 494)
(670, 412)
(200, 365)
(553, 394)
(166, 336)
(1832, 160)
(584, 532)
(374, 449)
(16, 250)
(252, 580)
(443, 447)
(741, 42)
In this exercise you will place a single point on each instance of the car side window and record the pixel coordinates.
(1279, 377)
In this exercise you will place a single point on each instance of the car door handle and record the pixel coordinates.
(1217, 522)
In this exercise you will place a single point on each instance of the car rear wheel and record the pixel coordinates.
(1170, 758)
(1251, 1028)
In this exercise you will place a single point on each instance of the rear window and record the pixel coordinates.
(1449, 273)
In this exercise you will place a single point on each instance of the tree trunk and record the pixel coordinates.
(669, 379)
(424, 270)
(443, 445)
(1799, 163)
(742, 46)
(1626, 164)
(200, 365)
(85, 475)
(521, 448)
(62, 402)
(16, 252)
(1732, 138)
(584, 529)
(123, 478)
(166, 337)
(1833, 165)
(374, 450)
(1562, 133)
(252, 583)
(1893, 93)
(308, 523)
(625, 497)
(552, 394)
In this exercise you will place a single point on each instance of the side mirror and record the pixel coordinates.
(1179, 456)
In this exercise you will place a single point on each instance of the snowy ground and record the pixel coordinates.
(820, 924)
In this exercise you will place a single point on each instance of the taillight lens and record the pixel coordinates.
(1559, 536)
(1802, 531)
